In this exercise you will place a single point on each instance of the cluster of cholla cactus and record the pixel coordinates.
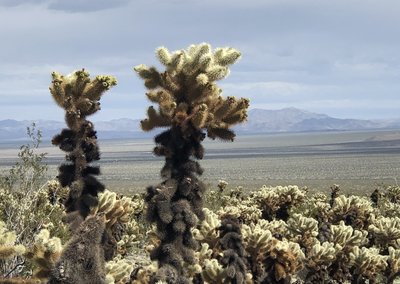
(190, 105)
(316, 243)
(274, 235)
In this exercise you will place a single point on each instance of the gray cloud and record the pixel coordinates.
(14, 3)
(75, 6)
(339, 57)
(85, 5)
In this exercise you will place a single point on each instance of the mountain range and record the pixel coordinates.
(259, 121)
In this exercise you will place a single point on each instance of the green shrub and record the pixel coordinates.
(25, 207)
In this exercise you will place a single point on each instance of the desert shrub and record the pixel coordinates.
(25, 207)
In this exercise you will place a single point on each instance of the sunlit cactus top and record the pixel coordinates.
(187, 92)
(79, 95)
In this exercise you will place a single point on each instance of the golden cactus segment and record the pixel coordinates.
(243, 211)
(57, 89)
(394, 260)
(163, 55)
(82, 78)
(213, 271)
(300, 225)
(97, 87)
(226, 56)
(118, 271)
(199, 118)
(77, 94)
(207, 230)
(287, 257)
(10, 251)
(347, 236)
(385, 229)
(44, 253)
(114, 208)
(322, 254)
(257, 238)
(155, 119)
(343, 204)
(367, 261)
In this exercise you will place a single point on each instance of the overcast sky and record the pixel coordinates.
(338, 57)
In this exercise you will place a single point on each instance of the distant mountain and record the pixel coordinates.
(296, 120)
(259, 121)
(116, 128)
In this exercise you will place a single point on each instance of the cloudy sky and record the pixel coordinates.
(338, 57)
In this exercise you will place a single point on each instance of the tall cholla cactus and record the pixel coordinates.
(83, 258)
(190, 103)
(79, 97)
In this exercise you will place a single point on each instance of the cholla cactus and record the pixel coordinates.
(315, 206)
(346, 236)
(277, 201)
(45, 253)
(8, 248)
(83, 259)
(257, 238)
(317, 261)
(233, 254)
(143, 274)
(304, 230)
(207, 231)
(129, 238)
(214, 272)
(367, 262)
(79, 97)
(187, 93)
(190, 103)
(388, 209)
(203, 254)
(56, 193)
(355, 211)
(116, 209)
(282, 262)
(118, 271)
(393, 270)
(245, 212)
(322, 254)
(393, 194)
(222, 184)
(385, 230)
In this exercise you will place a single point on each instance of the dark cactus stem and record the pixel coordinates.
(233, 258)
(176, 204)
(81, 146)
(335, 189)
(376, 197)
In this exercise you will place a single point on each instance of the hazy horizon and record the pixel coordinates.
(99, 119)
